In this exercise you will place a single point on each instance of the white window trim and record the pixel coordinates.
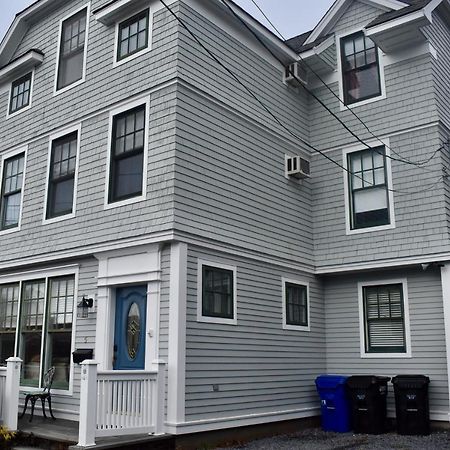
(15, 113)
(381, 64)
(116, 62)
(218, 320)
(128, 106)
(357, 148)
(57, 91)
(298, 282)
(5, 156)
(362, 334)
(61, 133)
(46, 274)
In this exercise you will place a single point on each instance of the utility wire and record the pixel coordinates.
(417, 163)
(255, 97)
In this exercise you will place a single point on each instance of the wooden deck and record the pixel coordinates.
(63, 435)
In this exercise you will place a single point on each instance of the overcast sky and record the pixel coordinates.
(291, 17)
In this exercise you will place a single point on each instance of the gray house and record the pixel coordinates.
(245, 213)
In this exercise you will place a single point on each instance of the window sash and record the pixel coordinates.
(63, 163)
(20, 89)
(218, 296)
(127, 145)
(73, 31)
(124, 41)
(350, 74)
(384, 319)
(12, 183)
(296, 302)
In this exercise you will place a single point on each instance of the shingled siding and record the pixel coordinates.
(259, 367)
(419, 207)
(263, 78)
(426, 324)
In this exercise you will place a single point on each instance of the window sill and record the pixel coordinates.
(296, 327)
(128, 201)
(9, 230)
(385, 355)
(121, 62)
(19, 111)
(362, 102)
(217, 320)
(58, 219)
(69, 87)
(391, 226)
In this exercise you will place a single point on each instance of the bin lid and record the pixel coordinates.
(410, 381)
(330, 381)
(365, 381)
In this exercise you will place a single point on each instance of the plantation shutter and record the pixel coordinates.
(384, 319)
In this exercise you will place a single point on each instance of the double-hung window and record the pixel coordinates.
(133, 35)
(368, 186)
(127, 154)
(384, 318)
(360, 68)
(295, 305)
(72, 50)
(20, 93)
(63, 163)
(42, 311)
(12, 185)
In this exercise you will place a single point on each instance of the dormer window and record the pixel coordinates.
(360, 68)
(20, 94)
(133, 35)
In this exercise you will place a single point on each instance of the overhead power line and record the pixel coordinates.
(268, 110)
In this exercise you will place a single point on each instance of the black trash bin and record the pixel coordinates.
(368, 403)
(411, 404)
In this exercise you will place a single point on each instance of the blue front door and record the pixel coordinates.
(129, 336)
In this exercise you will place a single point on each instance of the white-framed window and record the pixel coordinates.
(133, 36)
(37, 322)
(384, 319)
(62, 174)
(361, 70)
(13, 181)
(126, 172)
(369, 198)
(21, 94)
(216, 293)
(296, 305)
(72, 50)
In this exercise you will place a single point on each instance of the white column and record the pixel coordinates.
(88, 404)
(177, 335)
(11, 398)
(159, 396)
(445, 280)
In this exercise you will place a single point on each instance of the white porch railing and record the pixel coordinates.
(2, 392)
(9, 393)
(120, 402)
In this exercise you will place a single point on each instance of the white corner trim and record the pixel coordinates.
(30, 99)
(356, 148)
(381, 71)
(445, 281)
(302, 283)
(57, 91)
(114, 112)
(207, 319)
(14, 152)
(176, 378)
(148, 48)
(362, 328)
(59, 134)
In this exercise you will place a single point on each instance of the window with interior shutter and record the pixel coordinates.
(384, 319)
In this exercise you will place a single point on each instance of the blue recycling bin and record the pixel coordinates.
(334, 402)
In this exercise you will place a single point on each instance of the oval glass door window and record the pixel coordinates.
(133, 331)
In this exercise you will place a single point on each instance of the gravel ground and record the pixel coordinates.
(317, 439)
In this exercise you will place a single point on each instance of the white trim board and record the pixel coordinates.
(445, 283)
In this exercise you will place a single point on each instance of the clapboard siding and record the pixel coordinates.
(426, 324)
(419, 207)
(259, 367)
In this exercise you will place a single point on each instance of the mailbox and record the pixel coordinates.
(81, 355)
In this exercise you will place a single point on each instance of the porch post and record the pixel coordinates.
(445, 281)
(11, 395)
(159, 396)
(88, 404)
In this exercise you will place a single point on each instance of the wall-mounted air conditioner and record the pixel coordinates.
(297, 167)
(295, 74)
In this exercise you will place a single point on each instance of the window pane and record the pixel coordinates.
(217, 292)
(128, 176)
(62, 198)
(59, 329)
(32, 317)
(11, 210)
(12, 191)
(296, 305)
(9, 304)
(133, 35)
(71, 57)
